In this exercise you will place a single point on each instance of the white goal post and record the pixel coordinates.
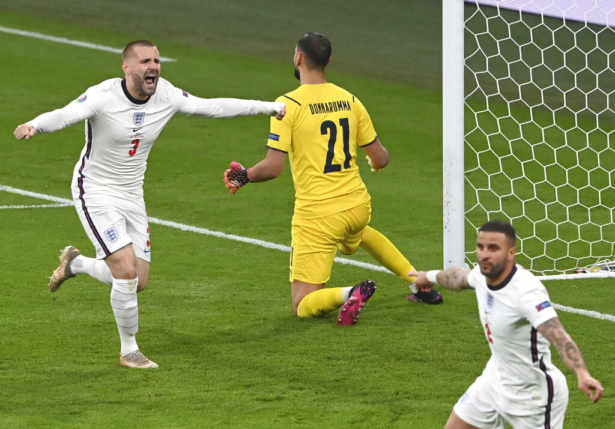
(529, 131)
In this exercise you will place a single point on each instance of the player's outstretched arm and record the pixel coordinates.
(555, 333)
(377, 155)
(24, 131)
(230, 107)
(454, 279)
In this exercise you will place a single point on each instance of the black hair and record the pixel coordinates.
(316, 48)
(498, 225)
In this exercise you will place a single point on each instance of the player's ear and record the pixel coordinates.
(299, 58)
(125, 68)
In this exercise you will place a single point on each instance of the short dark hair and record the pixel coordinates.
(498, 225)
(316, 48)
(128, 50)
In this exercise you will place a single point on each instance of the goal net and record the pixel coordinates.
(538, 127)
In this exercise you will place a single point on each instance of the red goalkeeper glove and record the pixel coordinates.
(236, 177)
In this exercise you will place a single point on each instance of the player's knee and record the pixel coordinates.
(125, 271)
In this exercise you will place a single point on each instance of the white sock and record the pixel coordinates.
(96, 268)
(412, 285)
(346, 293)
(126, 311)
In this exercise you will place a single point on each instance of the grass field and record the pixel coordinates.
(217, 315)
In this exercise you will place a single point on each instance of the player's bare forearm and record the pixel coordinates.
(261, 172)
(377, 155)
(555, 333)
(454, 279)
(269, 168)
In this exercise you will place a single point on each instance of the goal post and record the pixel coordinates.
(529, 130)
(453, 132)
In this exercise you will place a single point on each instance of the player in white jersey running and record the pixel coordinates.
(123, 119)
(519, 385)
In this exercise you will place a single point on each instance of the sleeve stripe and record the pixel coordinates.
(279, 150)
(292, 100)
(372, 142)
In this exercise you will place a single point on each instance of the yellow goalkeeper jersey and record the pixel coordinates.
(320, 132)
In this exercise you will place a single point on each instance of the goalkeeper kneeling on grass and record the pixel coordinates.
(322, 128)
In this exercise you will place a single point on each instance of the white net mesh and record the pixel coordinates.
(539, 130)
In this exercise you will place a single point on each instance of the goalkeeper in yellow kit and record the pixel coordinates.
(320, 133)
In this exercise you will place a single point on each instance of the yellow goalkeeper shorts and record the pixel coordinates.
(316, 241)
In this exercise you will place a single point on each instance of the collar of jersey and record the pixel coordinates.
(130, 97)
(505, 282)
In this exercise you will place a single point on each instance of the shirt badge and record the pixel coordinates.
(275, 137)
(490, 302)
(184, 93)
(82, 98)
(139, 118)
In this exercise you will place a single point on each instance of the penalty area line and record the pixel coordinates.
(268, 245)
(70, 42)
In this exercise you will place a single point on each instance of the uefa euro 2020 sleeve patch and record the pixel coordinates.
(543, 305)
(274, 137)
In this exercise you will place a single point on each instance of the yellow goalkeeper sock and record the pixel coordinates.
(320, 302)
(383, 251)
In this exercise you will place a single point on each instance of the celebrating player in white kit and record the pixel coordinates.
(123, 118)
(519, 385)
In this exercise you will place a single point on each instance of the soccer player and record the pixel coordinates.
(320, 133)
(519, 385)
(123, 119)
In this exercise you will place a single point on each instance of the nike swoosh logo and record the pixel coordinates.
(134, 130)
(146, 251)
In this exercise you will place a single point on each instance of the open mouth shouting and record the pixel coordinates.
(150, 81)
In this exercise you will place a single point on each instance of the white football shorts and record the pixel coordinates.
(481, 406)
(113, 222)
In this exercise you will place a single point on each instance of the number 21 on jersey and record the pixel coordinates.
(329, 127)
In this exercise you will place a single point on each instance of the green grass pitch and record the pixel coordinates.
(217, 315)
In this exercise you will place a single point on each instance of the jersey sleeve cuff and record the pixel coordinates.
(274, 148)
(372, 142)
(546, 314)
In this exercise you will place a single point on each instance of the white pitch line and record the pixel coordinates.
(69, 41)
(198, 230)
(35, 195)
(256, 242)
(40, 206)
(588, 313)
(268, 245)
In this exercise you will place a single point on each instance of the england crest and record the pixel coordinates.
(139, 118)
(111, 234)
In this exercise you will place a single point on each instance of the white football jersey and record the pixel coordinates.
(120, 130)
(520, 366)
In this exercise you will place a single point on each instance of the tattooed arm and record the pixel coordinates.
(555, 333)
(454, 279)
